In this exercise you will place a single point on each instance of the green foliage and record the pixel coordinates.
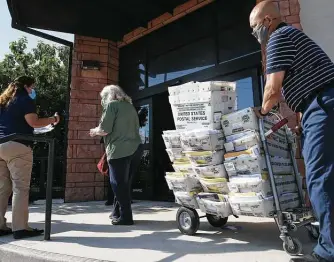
(48, 64)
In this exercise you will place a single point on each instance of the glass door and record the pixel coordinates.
(142, 183)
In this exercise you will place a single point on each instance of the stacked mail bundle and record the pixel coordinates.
(200, 105)
(205, 150)
(249, 182)
(183, 181)
(214, 204)
(197, 109)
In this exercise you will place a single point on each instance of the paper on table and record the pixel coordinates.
(42, 130)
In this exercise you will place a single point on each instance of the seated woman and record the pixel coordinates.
(18, 115)
(119, 126)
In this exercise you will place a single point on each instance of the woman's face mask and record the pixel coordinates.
(32, 94)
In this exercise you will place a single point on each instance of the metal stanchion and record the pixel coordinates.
(48, 207)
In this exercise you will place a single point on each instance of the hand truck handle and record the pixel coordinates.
(276, 127)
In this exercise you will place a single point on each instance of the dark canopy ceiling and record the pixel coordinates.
(110, 19)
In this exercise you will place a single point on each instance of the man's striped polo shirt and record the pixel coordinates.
(307, 67)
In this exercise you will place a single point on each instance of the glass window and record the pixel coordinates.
(236, 42)
(245, 96)
(132, 77)
(186, 60)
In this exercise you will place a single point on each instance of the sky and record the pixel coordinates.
(8, 34)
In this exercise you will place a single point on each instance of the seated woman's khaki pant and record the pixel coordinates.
(16, 162)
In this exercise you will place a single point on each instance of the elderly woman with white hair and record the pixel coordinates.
(119, 127)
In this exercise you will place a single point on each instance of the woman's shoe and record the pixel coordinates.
(112, 216)
(5, 232)
(122, 222)
(20, 234)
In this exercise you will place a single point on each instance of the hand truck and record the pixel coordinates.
(287, 221)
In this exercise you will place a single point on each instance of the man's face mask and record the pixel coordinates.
(261, 33)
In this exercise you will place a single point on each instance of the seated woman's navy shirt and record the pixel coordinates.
(12, 118)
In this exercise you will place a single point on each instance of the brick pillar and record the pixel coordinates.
(83, 182)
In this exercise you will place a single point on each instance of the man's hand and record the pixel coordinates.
(257, 112)
(298, 130)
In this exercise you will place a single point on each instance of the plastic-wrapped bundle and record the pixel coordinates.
(251, 164)
(245, 120)
(214, 204)
(217, 171)
(252, 204)
(261, 184)
(215, 185)
(183, 182)
(202, 140)
(206, 158)
(183, 168)
(177, 156)
(277, 145)
(187, 199)
(172, 139)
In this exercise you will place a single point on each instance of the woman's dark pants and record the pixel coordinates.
(120, 172)
(318, 152)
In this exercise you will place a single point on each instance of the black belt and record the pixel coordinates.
(309, 99)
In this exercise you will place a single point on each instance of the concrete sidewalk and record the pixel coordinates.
(82, 232)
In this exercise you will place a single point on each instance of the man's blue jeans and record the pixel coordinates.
(318, 152)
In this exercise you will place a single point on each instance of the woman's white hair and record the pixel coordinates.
(113, 93)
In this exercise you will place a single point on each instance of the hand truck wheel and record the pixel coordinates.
(313, 232)
(187, 220)
(296, 249)
(216, 221)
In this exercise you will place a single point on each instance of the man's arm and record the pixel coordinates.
(272, 91)
(281, 53)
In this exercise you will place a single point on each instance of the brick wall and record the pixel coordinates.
(83, 182)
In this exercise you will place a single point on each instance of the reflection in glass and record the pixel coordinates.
(144, 121)
(141, 71)
(245, 96)
(141, 179)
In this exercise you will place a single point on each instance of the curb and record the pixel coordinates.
(14, 253)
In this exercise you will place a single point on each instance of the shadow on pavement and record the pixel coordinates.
(165, 237)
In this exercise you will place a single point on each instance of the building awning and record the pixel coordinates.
(109, 19)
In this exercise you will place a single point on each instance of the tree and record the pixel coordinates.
(48, 64)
